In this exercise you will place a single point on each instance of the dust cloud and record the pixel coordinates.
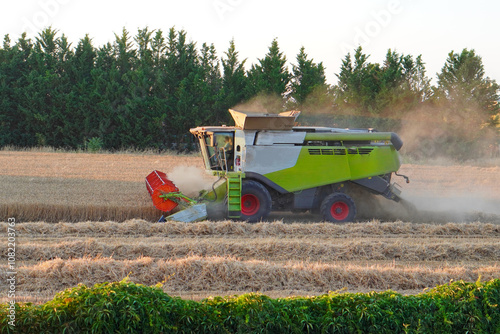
(190, 180)
(458, 205)
(433, 134)
(434, 200)
(460, 157)
(262, 103)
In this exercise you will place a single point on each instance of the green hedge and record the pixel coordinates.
(125, 307)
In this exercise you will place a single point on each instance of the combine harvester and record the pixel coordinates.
(265, 163)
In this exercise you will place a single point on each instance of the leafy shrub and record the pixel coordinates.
(94, 144)
(125, 307)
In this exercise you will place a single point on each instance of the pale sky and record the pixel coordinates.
(327, 29)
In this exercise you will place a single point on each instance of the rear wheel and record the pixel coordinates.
(255, 201)
(338, 208)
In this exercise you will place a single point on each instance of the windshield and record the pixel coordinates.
(220, 151)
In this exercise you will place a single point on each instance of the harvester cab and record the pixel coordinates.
(216, 146)
(266, 163)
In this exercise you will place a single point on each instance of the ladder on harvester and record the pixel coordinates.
(234, 194)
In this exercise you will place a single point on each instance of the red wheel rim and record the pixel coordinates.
(339, 210)
(250, 204)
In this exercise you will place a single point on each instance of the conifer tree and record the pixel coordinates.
(234, 80)
(211, 87)
(470, 97)
(307, 77)
(270, 76)
(462, 82)
(398, 85)
(358, 84)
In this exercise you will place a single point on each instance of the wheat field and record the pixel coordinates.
(87, 218)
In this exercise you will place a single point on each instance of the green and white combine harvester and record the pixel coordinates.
(265, 163)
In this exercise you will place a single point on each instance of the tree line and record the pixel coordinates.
(146, 91)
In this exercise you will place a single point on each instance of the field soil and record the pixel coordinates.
(87, 218)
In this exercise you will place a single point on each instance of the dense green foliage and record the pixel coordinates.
(399, 85)
(124, 307)
(146, 91)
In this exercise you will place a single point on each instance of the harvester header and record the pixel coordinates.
(167, 197)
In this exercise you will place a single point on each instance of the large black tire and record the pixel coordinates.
(338, 208)
(255, 201)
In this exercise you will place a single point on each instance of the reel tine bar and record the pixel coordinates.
(158, 184)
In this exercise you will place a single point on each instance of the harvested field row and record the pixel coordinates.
(142, 228)
(269, 249)
(225, 273)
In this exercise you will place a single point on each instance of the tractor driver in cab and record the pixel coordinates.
(228, 145)
(228, 149)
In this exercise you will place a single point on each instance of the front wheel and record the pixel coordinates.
(255, 201)
(338, 208)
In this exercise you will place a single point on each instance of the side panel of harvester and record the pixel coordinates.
(318, 166)
(295, 167)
